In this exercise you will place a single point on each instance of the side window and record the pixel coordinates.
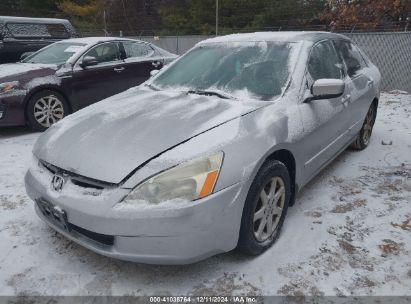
(324, 62)
(137, 49)
(105, 52)
(351, 56)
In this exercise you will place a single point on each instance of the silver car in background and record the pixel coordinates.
(207, 155)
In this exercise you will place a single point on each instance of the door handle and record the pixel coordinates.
(156, 64)
(346, 98)
(370, 83)
(119, 70)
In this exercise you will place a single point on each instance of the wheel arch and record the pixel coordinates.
(287, 158)
(375, 101)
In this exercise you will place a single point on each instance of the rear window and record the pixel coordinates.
(37, 30)
(137, 49)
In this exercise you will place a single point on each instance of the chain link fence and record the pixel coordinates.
(391, 52)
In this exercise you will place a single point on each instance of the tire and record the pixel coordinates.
(44, 109)
(364, 136)
(251, 242)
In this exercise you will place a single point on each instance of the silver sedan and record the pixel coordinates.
(208, 154)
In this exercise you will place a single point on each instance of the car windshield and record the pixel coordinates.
(257, 70)
(57, 53)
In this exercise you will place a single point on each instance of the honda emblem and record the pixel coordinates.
(57, 182)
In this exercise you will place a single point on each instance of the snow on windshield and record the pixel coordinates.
(257, 70)
(57, 53)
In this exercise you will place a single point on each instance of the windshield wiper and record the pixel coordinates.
(211, 93)
(153, 87)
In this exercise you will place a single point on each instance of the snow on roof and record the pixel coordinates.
(266, 36)
(4, 19)
(94, 40)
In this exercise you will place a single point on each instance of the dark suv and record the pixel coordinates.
(19, 35)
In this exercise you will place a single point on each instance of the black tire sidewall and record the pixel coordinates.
(31, 121)
(247, 242)
(359, 143)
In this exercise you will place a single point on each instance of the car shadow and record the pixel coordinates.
(12, 132)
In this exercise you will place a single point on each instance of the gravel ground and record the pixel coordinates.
(348, 234)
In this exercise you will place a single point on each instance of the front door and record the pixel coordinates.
(94, 83)
(324, 120)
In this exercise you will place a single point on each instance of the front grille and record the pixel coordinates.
(82, 182)
(79, 180)
(104, 239)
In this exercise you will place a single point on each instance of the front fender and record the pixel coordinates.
(246, 141)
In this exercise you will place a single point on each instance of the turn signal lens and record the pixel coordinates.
(209, 183)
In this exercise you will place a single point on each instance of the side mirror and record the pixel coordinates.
(88, 61)
(154, 72)
(25, 55)
(326, 88)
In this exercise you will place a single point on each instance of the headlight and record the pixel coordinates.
(8, 86)
(188, 181)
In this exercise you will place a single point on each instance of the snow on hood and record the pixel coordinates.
(108, 140)
(12, 70)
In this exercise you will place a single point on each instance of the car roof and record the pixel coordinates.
(275, 36)
(5, 19)
(94, 40)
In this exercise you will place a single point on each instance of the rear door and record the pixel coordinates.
(140, 60)
(94, 83)
(324, 120)
(359, 84)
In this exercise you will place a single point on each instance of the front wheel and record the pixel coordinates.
(364, 136)
(44, 109)
(265, 208)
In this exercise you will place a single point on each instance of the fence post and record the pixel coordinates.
(177, 48)
(353, 29)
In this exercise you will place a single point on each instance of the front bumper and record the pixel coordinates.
(12, 108)
(148, 235)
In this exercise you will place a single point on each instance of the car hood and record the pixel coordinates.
(25, 71)
(108, 140)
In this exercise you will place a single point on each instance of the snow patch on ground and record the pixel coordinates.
(349, 233)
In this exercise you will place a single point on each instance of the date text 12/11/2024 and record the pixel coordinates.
(203, 299)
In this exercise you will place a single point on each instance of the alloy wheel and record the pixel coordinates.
(48, 110)
(269, 209)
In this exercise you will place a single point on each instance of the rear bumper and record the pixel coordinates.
(12, 109)
(177, 235)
